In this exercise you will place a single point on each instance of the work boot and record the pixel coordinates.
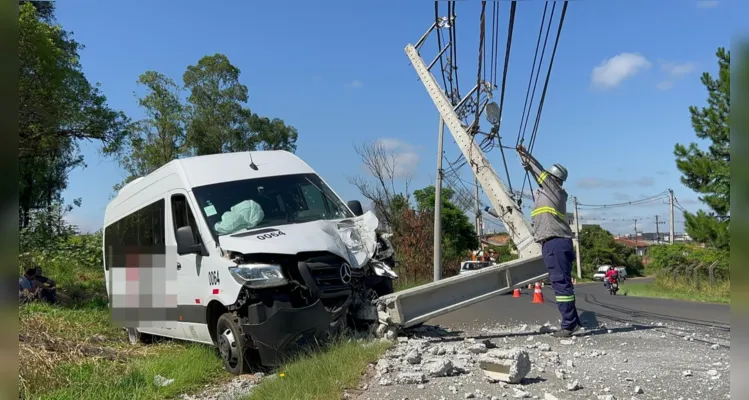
(565, 333)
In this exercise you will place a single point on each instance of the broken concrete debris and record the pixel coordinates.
(506, 365)
(443, 366)
(574, 385)
(410, 378)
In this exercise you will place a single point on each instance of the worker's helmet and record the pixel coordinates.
(558, 171)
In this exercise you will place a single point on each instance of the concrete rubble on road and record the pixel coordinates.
(525, 362)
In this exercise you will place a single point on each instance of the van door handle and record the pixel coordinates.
(179, 266)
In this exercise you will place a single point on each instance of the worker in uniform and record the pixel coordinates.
(551, 230)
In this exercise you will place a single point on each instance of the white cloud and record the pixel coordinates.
(611, 72)
(677, 70)
(355, 84)
(674, 72)
(664, 85)
(406, 156)
(708, 3)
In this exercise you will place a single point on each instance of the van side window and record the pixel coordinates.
(140, 232)
(182, 215)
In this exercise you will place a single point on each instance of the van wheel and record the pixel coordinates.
(231, 345)
(135, 337)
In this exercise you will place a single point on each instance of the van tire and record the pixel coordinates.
(135, 337)
(231, 345)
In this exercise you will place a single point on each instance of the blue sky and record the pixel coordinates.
(624, 76)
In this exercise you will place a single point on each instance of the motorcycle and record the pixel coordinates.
(613, 287)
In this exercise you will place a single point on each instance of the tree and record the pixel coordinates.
(58, 108)
(219, 122)
(159, 138)
(708, 172)
(382, 165)
(598, 247)
(458, 234)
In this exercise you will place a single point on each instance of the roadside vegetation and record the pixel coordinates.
(323, 373)
(71, 350)
(686, 272)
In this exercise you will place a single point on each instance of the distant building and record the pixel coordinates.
(640, 245)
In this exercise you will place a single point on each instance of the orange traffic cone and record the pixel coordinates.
(516, 292)
(538, 296)
(530, 286)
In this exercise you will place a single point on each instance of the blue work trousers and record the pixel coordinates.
(558, 255)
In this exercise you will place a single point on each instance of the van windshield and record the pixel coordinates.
(230, 207)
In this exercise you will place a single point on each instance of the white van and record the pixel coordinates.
(250, 252)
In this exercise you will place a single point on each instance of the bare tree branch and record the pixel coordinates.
(382, 166)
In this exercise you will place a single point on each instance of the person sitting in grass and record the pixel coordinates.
(29, 288)
(34, 286)
(49, 286)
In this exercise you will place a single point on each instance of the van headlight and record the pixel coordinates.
(259, 276)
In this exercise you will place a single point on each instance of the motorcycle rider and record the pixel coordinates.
(612, 276)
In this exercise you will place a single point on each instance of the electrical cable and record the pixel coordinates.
(649, 199)
(533, 69)
(548, 76)
(546, 86)
(439, 46)
(538, 73)
(510, 29)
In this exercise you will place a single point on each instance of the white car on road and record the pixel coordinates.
(601, 272)
(472, 266)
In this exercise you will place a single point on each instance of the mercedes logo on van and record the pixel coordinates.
(345, 273)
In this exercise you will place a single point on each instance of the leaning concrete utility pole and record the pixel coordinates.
(577, 241)
(438, 207)
(478, 213)
(671, 212)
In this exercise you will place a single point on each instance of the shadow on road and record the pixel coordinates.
(588, 318)
(632, 313)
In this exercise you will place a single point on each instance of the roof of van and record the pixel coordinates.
(223, 167)
(226, 167)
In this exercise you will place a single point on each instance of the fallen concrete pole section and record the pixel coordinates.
(419, 304)
(509, 366)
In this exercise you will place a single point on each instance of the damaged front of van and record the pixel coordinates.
(307, 264)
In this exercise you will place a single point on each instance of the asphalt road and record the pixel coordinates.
(593, 304)
(632, 348)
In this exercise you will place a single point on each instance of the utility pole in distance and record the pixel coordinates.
(636, 236)
(577, 241)
(438, 207)
(657, 230)
(671, 212)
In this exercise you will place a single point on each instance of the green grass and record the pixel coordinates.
(322, 374)
(191, 367)
(667, 289)
(408, 282)
(66, 372)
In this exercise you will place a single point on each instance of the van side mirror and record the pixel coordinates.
(186, 242)
(355, 207)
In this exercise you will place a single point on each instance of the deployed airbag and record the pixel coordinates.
(244, 215)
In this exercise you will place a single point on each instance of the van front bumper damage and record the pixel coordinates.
(279, 331)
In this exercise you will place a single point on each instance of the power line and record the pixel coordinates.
(646, 200)
(546, 86)
(533, 69)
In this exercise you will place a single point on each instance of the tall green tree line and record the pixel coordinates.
(708, 172)
(59, 108)
(213, 118)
